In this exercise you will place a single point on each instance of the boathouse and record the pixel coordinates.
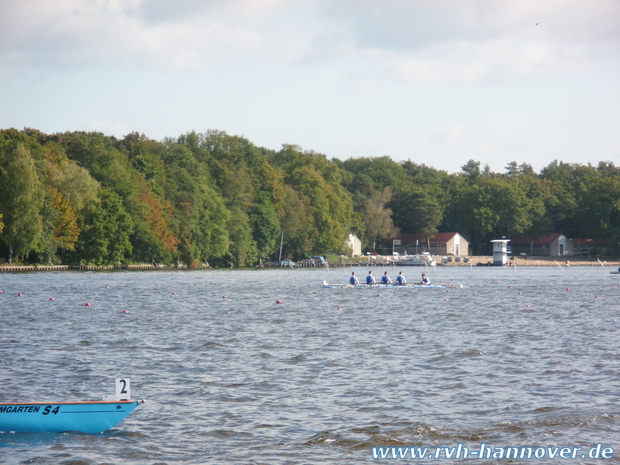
(444, 243)
(545, 245)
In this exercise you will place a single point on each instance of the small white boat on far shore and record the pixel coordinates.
(423, 259)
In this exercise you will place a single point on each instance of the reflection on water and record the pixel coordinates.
(516, 357)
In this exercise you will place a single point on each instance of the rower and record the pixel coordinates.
(400, 279)
(353, 279)
(370, 279)
(385, 279)
(425, 280)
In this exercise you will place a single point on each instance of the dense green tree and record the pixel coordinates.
(471, 170)
(494, 207)
(243, 250)
(365, 176)
(215, 197)
(298, 231)
(100, 156)
(265, 226)
(375, 174)
(419, 210)
(60, 228)
(147, 157)
(526, 168)
(156, 242)
(599, 209)
(321, 182)
(199, 215)
(419, 207)
(21, 201)
(512, 169)
(109, 161)
(378, 218)
(75, 184)
(332, 209)
(252, 190)
(106, 231)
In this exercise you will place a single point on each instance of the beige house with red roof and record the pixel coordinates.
(447, 243)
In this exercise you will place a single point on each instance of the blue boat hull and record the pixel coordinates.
(84, 417)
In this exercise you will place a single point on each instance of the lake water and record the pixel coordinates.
(526, 357)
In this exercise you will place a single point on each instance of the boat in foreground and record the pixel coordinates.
(89, 417)
(84, 417)
(386, 286)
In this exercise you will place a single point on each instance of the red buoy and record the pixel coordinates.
(278, 301)
(51, 298)
(87, 304)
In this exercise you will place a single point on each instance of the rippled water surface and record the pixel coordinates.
(524, 357)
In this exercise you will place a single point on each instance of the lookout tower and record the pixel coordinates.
(500, 251)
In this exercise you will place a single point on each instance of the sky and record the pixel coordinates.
(436, 82)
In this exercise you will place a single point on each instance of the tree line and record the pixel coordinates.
(83, 197)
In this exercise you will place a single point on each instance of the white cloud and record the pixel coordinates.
(156, 34)
(115, 129)
(450, 135)
(478, 41)
(409, 40)
(458, 78)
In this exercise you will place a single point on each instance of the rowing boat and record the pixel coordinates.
(386, 286)
(89, 417)
(84, 417)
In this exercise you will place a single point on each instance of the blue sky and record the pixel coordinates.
(435, 82)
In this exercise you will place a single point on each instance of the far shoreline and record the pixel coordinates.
(472, 261)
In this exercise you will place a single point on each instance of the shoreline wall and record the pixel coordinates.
(473, 261)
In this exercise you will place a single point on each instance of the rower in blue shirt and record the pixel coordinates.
(370, 279)
(400, 279)
(425, 280)
(353, 279)
(385, 279)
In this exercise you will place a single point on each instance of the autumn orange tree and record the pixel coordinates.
(156, 215)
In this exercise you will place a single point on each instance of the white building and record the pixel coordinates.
(355, 244)
(500, 251)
